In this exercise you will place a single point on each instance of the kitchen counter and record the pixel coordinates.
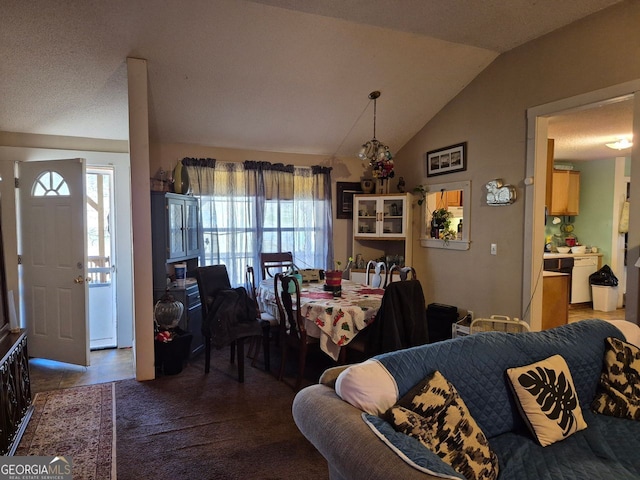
(555, 299)
(546, 273)
(570, 255)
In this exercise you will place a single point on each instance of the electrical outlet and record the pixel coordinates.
(494, 249)
(470, 313)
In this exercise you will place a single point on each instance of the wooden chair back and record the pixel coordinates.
(287, 292)
(275, 262)
(250, 282)
(293, 332)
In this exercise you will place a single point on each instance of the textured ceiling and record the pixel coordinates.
(582, 135)
(273, 75)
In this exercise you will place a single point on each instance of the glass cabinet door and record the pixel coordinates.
(366, 215)
(192, 232)
(392, 217)
(176, 219)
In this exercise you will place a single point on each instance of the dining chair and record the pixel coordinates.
(376, 274)
(272, 263)
(401, 322)
(268, 322)
(228, 315)
(293, 332)
(405, 273)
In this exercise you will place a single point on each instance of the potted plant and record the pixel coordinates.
(440, 223)
(334, 277)
(422, 191)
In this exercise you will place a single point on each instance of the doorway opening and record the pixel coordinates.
(536, 169)
(101, 259)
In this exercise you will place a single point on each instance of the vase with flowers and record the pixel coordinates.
(382, 169)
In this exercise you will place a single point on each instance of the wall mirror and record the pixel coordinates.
(446, 216)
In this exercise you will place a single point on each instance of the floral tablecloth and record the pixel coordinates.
(334, 320)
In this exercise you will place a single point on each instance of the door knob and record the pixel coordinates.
(79, 279)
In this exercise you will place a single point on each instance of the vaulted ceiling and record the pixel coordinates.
(272, 75)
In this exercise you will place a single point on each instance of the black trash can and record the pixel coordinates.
(170, 356)
(440, 319)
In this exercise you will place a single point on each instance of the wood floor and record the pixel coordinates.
(106, 366)
(584, 311)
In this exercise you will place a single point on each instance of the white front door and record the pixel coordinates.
(52, 212)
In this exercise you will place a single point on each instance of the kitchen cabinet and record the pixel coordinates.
(450, 198)
(565, 193)
(381, 230)
(555, 299)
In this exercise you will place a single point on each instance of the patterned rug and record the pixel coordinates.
(78, 423)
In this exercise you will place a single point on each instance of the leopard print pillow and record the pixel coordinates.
(618, 392)
(434, 413)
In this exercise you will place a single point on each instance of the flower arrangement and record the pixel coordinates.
(382, 166)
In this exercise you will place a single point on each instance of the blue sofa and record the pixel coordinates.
(360, 445)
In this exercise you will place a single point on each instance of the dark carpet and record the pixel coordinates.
(208, 426)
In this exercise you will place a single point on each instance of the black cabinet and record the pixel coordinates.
(15, 395)
(175, 229)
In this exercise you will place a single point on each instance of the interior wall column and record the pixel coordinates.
(632, 301)
(141, 218)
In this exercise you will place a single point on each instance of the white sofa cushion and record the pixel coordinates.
(367, 386)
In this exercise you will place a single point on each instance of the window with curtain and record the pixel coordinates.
(258, 207)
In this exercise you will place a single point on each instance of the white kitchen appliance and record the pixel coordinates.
(580, 287)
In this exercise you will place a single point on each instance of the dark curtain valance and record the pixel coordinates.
(277, 167)
(199, 162)
(319, 169)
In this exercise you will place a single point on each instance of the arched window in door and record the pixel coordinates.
(49, 184)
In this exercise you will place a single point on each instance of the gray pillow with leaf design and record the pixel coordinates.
(618, 392)
(548, 399)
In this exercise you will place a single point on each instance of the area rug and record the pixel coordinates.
(77, 423)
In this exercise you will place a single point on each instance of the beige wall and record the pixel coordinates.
(490, 114)
(166, 156)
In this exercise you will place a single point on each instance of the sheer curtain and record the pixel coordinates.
(262, 207)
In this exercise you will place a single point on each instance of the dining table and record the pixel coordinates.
(334, 320)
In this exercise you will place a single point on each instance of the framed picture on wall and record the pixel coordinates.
(345, 192)
(447, 160)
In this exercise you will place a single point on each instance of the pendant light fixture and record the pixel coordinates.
(373, 150)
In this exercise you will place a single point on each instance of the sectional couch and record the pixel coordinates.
(358, 442)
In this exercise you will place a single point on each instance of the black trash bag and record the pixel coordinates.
(603, 277)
